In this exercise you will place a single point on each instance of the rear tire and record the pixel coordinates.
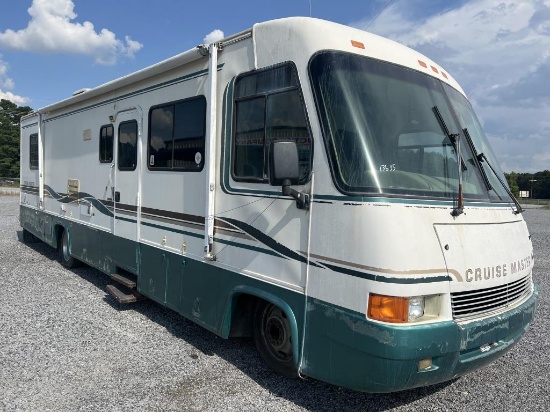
(64, 255)
(28, 237)
(273, 338)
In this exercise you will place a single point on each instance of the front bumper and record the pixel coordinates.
(346, 349)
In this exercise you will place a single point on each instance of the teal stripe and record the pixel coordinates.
(253, 248)
(200, 236)
(181, 232)
(377, 199)
(217, 239)
(384, 279)
(125, 219)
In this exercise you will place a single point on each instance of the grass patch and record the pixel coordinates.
(536, 203)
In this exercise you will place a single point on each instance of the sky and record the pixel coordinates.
(498, 50)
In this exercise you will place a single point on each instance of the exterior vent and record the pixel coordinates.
(73, 188)
(475, 304)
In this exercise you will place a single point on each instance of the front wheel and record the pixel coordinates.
(273, 338)
(64, 256)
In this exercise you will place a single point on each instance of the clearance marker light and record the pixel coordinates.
(434, 69)
(357, 44)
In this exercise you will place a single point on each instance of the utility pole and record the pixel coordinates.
(532, 180)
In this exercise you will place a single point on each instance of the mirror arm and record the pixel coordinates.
(302, 198)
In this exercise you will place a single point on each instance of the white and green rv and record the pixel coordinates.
(327, 191)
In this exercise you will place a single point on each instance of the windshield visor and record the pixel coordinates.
(381, 133)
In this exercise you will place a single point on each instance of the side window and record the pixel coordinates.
(106, 134)
(33, 144)
(127, 145)
(268, 106)
(176, 135)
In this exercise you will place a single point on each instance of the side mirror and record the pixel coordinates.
(283, 163)
(284, 170)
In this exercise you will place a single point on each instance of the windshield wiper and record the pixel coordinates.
(481, 157)
(477, 160)
(455, 140)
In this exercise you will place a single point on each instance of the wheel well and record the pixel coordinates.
(243, 315)
(58, 230)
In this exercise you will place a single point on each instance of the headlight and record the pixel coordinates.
(416, 307)
(395, 309)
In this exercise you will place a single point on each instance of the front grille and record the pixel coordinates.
(482, 302)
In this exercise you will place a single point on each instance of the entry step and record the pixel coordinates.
(129, 283)
(122, 297)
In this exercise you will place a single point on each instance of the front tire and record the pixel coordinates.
(273, 338)
(64, 255)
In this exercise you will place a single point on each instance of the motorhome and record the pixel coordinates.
(324, 190)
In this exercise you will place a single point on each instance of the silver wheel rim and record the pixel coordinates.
(277, 333)
(65, 247)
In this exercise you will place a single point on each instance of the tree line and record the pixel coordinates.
(10, 115)
(537, 184)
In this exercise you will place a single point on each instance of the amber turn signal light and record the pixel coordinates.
(393, 309)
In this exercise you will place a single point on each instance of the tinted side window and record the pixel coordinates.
(250, 138)
(33, 143)
(176, 135)
(268, 106)
(127, 145)
(106, 144)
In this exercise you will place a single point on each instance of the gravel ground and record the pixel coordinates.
(67, 346)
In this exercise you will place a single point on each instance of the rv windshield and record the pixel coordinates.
(382, 136)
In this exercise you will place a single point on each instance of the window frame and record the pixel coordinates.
(265, 95)
(174, 104)
(32, 154)
(106, 126)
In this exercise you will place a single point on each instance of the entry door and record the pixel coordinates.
(126, 197)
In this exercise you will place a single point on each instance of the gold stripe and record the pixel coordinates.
(386, 271)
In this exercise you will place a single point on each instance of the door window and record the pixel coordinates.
(127, 145)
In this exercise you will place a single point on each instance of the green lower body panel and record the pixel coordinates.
(346, 349)
(32, 220)
(340, 346)
(186, 285)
